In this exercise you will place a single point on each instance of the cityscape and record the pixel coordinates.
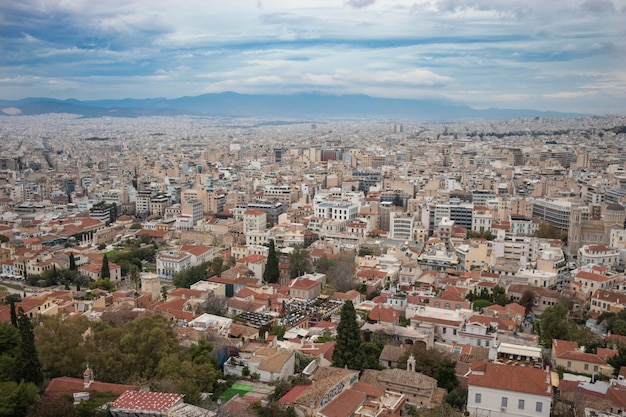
(491, 249)
(364, 208)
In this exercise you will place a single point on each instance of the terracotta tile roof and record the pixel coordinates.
(591, 276)
(195, 249)
(276, 362)
(512, 378)
(304, 284)
(344, 404)
(371, 390)
(293, 394)
(146, 401)
(384, 314)
(58, 387)
(564, 349)
(254, 258)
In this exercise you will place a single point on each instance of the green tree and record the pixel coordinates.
(619, 360)
(12, 299)
(9, 345)
(61, 346)
(498, 295)
(103, 284)
(72, 262)
(554, 324)
(16, 398)
(135, 226)
(28, 366)
(133, 274)
(457, 398)
(348, 348)
(217, 266)
(3, 239)
(104, 271)
(299, 262)
(190, 276)
(480, 304)
(372, 354)
(445, 374)
(272, 272)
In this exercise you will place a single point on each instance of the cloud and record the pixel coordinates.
(513, 53)
(598, 6)
(359, 4)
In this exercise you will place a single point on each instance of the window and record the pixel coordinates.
(586, 367)
(477, 398)
(539, 407)
(520, 404)
(569, 364)
(504, 402)
(595, 368)
(443, 330)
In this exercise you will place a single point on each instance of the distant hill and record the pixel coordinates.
(297, 106)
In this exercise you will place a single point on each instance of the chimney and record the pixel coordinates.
(87, 377)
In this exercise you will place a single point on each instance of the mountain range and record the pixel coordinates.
(297, 106)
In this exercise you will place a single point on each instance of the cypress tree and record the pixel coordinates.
(12, 299)
(28, 366)
(72, 262)
(348, 349)
(272, 272)
(104, 272)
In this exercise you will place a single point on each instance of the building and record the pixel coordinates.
(497, 390)
(572, 358)
(598, 255)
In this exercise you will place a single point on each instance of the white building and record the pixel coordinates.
(598, 255)
(497, 390)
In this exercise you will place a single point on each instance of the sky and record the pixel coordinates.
(561, 55)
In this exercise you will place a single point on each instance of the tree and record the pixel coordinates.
(9, 344)
(549, 231)
(104, 271)
(445, 374)
(480, 304)
(217, 266)
(12, 299)
(527, 301)
(619, 360)
(348, 349)
(103, 284)
(272, 272)
(53, 407)
(16, 398)
(322, 264)
(61, 346)
(3, 239)
(72, 262)
(28, 366)
(341, 274)
(299, 262)
(498, 295)
(190, 276)
(133, 274)
(554, 324)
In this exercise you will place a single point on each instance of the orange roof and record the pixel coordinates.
(147, 401)
(58, 387)
(512, 378)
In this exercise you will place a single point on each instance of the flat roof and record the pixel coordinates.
(511, 349)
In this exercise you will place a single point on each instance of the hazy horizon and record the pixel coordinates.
(550, 56)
